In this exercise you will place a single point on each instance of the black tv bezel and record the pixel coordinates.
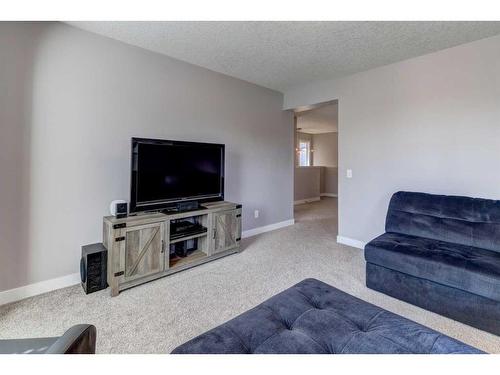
(170, 203)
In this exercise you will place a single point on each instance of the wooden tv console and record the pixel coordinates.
(139, 246)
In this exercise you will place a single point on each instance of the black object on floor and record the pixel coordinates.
(93, 267)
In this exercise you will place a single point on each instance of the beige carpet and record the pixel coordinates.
(156, 317)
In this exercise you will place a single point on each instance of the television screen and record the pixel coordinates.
(166, 172)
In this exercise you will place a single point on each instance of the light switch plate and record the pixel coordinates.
(349, 173)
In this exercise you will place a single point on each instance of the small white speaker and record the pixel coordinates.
(118, 208)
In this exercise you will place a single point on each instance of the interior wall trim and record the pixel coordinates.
(307, 200)
(30, 290)
(351, 242)
(267, 228)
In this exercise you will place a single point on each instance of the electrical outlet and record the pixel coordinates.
(256, 214)
(349, 173)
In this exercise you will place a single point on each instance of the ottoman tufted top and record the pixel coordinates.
(314, 317)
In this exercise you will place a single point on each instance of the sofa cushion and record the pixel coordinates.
(314, 317)
(467, 268)
(462, 220)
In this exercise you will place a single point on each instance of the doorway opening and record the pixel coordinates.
(316, 163)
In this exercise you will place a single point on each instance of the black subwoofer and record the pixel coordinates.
(93, 267)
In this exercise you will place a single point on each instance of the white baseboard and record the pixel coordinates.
(31, 290)
(266, 228)
(13, 295)
(332, 195)
(307, 200)
(351, 242)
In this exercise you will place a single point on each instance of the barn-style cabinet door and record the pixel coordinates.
(226, 231)
(143, 250)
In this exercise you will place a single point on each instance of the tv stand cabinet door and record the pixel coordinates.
(144, 250)
(226, 230)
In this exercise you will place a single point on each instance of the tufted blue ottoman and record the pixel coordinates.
(314, 317)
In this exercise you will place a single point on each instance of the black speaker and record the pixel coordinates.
(93, 267)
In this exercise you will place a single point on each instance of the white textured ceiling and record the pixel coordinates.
(319, 120)
(281, 55)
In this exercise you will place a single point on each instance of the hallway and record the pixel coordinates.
(324, 210)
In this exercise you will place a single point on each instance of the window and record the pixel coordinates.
(304, 153)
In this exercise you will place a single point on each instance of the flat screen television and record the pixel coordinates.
(165, 173)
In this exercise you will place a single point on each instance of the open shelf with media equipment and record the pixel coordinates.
(148, 246)
(188, 240)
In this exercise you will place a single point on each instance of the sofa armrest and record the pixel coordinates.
(79, 339)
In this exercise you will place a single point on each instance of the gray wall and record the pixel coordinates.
(71, 101)
(307, 183)
(325, 149)
(17, 48)
(326, 156)
(428, 124)
(329, 180)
